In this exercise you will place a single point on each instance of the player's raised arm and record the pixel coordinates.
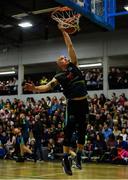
(69, 44)
(43, 88)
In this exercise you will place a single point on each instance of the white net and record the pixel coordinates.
(66, 17)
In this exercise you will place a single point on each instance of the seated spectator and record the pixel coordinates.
(9, 146)
(43, 81)
(109, 120)
(3, 136)
(48, 101)
(99, 145)
(121, 144)
(51, 149)
(2, 151)
(116, 131)
(90, 132)
(106, 131)
(120, 80)
(114, 98)
(122, 99)
(94, 99)
(102, 100)
(122, 151)
(100, 80)
(111, 142)
(111, 151)
(59, 141)
(88, 149)
(124, 134)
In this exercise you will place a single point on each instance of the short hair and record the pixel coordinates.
(62, 57)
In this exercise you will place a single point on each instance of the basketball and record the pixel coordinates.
(71, 30)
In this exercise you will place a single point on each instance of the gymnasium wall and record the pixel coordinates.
(87, 46)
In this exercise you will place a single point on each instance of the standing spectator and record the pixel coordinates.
(24, 124)
(112, 79)
(38, 135)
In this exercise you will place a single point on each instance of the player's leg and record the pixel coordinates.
(66, 149)
(81, 121)
(68, 131)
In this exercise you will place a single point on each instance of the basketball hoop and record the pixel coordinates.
(67, 18)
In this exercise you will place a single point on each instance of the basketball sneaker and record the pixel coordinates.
(66, 166)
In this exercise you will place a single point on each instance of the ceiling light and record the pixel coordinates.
(41, 11)
(7, 72)
(6, 26)
(90, 65)
(25, 24)
(126, 8)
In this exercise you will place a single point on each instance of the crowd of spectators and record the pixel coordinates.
(39, 79)
(118, 78)
(106, 127)
(9, 87)
(23, 115)
(94, 78)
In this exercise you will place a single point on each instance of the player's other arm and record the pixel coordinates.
(70, 47)
(43, 88)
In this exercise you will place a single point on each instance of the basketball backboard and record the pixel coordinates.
(96, 10)
(102, 12)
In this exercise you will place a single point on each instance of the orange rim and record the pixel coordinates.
(65, 8)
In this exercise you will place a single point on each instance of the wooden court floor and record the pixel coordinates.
(52, 170)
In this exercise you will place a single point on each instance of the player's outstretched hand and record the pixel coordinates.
(29, 87)
(60, 27)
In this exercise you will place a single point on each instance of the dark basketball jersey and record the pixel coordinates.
(72, 82)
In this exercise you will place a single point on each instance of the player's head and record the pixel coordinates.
(62, 62)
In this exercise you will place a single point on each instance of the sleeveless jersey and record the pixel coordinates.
(72, 82)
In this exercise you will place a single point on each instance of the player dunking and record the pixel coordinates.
(74, 89)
